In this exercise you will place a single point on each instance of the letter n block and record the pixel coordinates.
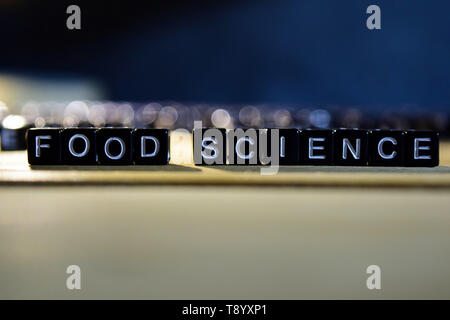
(350, 147)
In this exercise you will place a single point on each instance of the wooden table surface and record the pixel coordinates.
(186, 232)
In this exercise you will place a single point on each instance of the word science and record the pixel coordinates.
(340, 147)
(214, 146)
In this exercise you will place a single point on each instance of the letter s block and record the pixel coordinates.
(78, 146)
(151, 146)
(43, 146)
(210, 145)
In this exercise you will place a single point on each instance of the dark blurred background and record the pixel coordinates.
(247, 51)
(302, 63)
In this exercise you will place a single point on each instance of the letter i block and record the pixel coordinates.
(316, 147)
(151, 146)
(210, 146)
(114, 146)
(387, 148)
(422, 148)
(43, 146)
(78, 146)
(288, 145)
(350, 147)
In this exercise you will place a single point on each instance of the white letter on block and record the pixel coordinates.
(238, 145)
(122, 148)
(312, 148)
(206, 145)
(143, 151)
(380, 148)
(417, 148)
(39, 145)
(282, 147)
(346, 145)
(86, 145)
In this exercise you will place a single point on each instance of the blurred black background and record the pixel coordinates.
(247, 51)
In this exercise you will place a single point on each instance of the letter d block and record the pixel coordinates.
(114, 146)
(43, 146)
(422, 148)
(151, 146)
(210, 146)
(78, 146)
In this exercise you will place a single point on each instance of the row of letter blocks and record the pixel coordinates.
(340, 147)
(126, 146)
(104, 146)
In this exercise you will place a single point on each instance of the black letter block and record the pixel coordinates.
(288, 144)
(350, 147)
(44, 146)
(151, 146)
(78, 146)
(209, 146)
(114, 146)
(243, 147)
(386, 148)
(316, 147)
(422, 148)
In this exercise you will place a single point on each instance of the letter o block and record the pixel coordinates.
(78, 146)
(114, 146)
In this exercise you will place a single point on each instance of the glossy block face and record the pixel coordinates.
(243, 147)
(44, 146)
(210, 146)
(387, 148)
(316, 147)
(150, 146)
(350, 147)
(78, 146)
(288, 146)
(422, 148)
(114, 146)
